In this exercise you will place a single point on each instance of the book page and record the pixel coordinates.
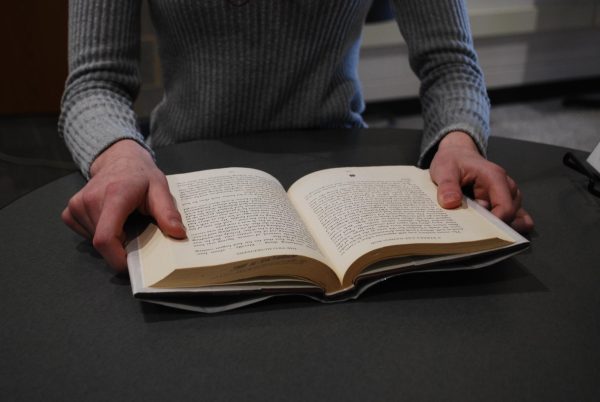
(233, 214)
(352, 211)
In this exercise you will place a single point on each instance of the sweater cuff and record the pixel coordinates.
(90, 123)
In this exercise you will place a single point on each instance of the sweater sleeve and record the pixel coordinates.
(104, 78)
(453, 94)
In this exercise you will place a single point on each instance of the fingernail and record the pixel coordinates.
(483, 203)
(178, 224)
(450, 197)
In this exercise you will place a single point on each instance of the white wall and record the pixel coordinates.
(518, 42)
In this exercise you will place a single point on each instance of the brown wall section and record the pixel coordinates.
(33, 55)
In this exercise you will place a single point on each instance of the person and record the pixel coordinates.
(243, 66)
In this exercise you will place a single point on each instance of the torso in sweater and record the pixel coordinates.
(264, 65)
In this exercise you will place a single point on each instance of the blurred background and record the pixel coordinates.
(541, 60)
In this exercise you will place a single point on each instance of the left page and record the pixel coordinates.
(231, 215)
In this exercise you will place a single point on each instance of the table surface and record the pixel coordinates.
(525, 329)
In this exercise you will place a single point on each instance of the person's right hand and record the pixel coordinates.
(124, 178)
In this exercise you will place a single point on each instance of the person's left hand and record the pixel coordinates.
(458, 163)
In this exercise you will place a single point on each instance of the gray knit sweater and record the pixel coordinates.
(263, 65)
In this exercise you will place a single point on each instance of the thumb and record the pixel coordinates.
(162, 207)
(447, 178)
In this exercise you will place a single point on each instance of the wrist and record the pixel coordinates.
(458, 139)
(125, 148)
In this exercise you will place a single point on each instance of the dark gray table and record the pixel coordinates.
(525, 329)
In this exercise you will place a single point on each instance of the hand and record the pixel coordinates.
(458, 163)
(124, 178)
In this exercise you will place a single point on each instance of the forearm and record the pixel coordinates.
(452, 93)
(103, 78)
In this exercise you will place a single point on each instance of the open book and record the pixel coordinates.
(331, 235)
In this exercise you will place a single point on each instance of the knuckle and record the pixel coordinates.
(113, 189)
(511, 212)
(75, 202)
(515, 192)
(504, 215)
(446, 181)
(100, 241)
(89, 197)
(498, 170)
(65, 216)
(160, 179)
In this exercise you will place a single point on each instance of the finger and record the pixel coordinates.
(447, 178)
(68, 219)
(517, 200)
(483, 197)
(512, 186)
(515, 193)
(161, 206)
(119, 203)
(500, 196)
(523, 222)
(93, 200)
(79, 214)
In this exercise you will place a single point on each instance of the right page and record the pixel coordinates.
(352, 212)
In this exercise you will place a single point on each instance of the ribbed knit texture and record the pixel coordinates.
(265, 65)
